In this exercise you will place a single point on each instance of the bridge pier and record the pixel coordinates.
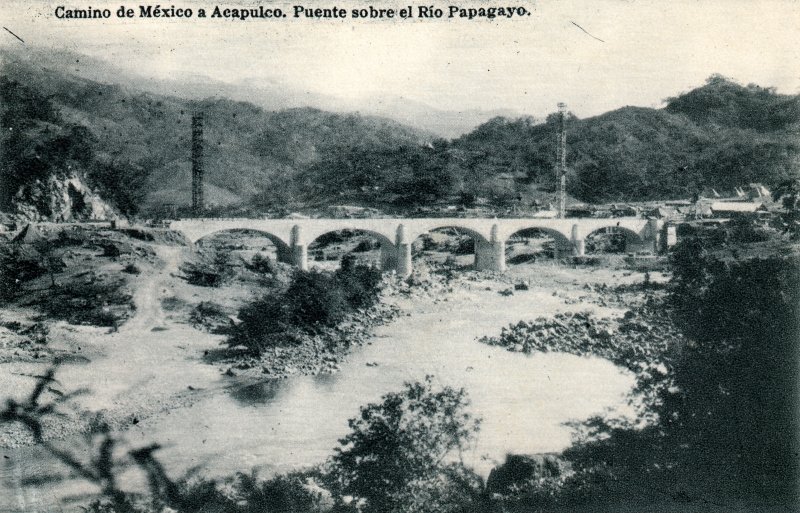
(300, 256)
(578, 241)
(652, 236)
(670, 237)
(299, 249)
(402, 248)
(491, 255)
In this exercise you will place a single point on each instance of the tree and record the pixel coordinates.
(726, 409)
(400, 453)
(123, 184)
(788, 193)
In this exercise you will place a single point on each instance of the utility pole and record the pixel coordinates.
(197, 162)
(561, 156)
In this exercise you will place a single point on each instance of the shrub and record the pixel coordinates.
(464, 246)
(312, 301)
(359, 282)
(395, 458)
(211, 316)
(315, 299)
(209, 272)
(289, 493)
(261, 264)
(16, 267)
(525, 483)
(364, 246)
(727, 424)
(738, 380)
(131, 269)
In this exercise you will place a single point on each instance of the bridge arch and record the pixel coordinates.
(455, 225)
(631, 239)
(561, 243)
(282, 249)
(396, 234)
(387, 258)
(476, 245)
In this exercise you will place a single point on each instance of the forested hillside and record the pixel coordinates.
(134, 148)
(721, 135)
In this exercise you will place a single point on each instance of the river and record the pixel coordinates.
(285, 424)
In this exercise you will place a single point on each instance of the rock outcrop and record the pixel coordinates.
(60, 199)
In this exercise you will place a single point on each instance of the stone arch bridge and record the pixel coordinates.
(292, 236)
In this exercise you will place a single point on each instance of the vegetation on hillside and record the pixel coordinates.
(134, 148)
(39, 141)
(79, 275)
(721, 136)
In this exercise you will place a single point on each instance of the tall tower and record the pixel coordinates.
(561, 167)
(197, 162)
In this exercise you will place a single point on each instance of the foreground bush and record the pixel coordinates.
(16, 267)
(210, 271)
(398, 456)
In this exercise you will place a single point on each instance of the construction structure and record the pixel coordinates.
(561, 157)
(197, 162)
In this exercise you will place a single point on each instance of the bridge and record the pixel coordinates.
(292, 236)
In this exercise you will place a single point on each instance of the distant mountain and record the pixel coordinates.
(267, 94)
(444, 123)
(116, 131)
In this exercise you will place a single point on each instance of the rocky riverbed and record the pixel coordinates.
(158, 360)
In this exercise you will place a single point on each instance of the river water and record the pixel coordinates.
(524, 400)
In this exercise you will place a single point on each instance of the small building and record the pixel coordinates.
(663, 212)
(296, 215)
(702, 210)
(737, 209)
(758, 192)
(545, 214)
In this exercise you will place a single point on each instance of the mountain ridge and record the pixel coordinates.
(133, 146)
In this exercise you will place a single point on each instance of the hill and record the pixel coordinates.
(271, 94)
(721, 135)
(134, 147)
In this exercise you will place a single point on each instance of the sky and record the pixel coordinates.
(593, 55)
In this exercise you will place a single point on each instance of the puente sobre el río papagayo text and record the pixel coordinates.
(292, 236)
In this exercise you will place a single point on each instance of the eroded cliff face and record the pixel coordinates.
(60, 199)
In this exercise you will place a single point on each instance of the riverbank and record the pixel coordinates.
(151, 381)
(158, 361)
